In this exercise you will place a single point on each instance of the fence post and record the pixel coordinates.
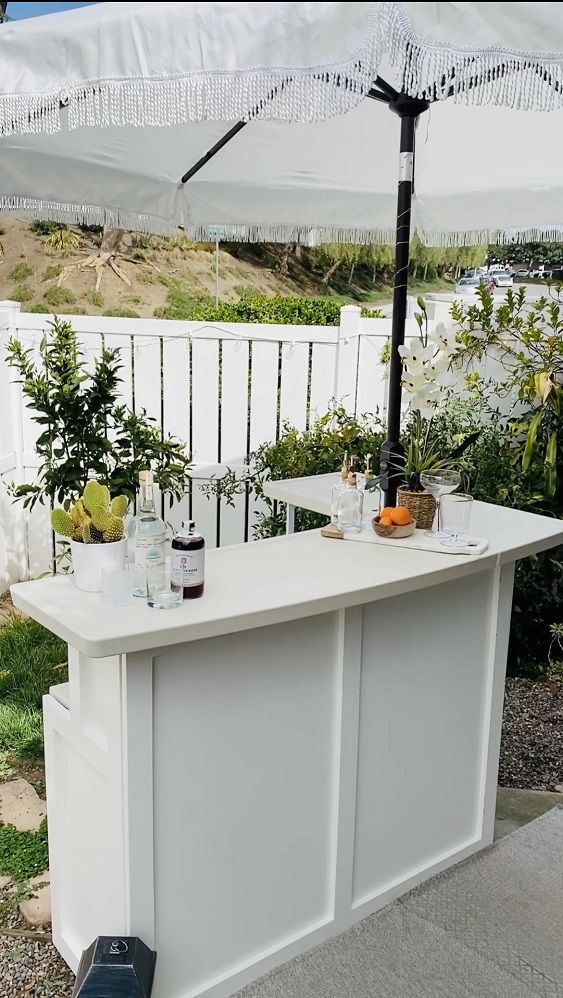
(349, 326)
(14, 564)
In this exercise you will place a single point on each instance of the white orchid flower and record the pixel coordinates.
(427, 409)
(447, 379)
(414, 354)
(444, 337)
(414, 382)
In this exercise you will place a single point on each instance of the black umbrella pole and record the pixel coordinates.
(391, 452)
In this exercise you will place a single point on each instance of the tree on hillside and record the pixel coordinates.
(107, 255)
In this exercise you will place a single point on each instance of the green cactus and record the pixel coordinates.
(96, 497)
(101, 520)
(61, 523)
(119, 506)
(92, 519)
(114, 531)
(79, 509)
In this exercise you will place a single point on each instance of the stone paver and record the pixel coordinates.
(517, 807)
(37, 909)
(4, 881)
(20, 805)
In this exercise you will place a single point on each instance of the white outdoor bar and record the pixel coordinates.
(238, 779)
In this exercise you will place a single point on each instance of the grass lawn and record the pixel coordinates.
(31, 660)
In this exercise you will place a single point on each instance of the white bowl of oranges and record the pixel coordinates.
(394, 521)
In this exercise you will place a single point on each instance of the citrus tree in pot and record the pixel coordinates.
(95, 528)
(86, 430)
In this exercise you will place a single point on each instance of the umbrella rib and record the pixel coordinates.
(214, 150)
(383, 91)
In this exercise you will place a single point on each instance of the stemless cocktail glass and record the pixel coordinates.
(456, 511)
(438, 484)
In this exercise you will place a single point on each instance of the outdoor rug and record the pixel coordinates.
(491, 927)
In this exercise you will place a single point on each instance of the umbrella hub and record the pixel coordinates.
(406, 106)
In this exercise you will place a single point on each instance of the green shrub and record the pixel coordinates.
(39, 308)
(122, 313)
(316, 451)
(95, 298)
(55, 297)
(41, 227)
(62, 240)
(22, 293)
(20, 272)
(51, 272)
(182, 303)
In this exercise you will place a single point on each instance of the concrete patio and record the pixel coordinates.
(490, 927)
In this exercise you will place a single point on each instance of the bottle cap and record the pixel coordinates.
(146, 478)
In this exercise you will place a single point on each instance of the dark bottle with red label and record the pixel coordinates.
(188, 562)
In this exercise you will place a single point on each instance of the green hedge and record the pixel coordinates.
(181, 304)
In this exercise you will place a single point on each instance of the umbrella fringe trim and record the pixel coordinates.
(300, 94)
(527, 81)
(307, 235)
(510, 78)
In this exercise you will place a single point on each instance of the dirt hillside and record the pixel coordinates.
(30, 272)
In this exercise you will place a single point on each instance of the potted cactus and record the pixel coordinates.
(94, 525)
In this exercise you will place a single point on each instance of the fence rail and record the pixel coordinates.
(223, 388)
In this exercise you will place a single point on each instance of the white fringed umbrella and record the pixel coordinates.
(262, 119)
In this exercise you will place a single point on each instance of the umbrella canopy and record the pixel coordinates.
(479, 172)
(146, 64)
(294, 82)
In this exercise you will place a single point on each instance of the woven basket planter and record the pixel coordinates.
(420, 505)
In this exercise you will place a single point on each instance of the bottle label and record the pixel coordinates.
(150, 551)
(187, 567)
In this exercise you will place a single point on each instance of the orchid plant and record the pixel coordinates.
(431, 372)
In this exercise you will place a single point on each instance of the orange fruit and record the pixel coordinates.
(400, 516)
(385, 521)
(387, 510)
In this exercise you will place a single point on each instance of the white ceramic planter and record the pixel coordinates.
(88, 560)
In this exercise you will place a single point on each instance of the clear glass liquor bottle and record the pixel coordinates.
(147, 537)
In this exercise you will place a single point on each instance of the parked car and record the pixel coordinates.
(521, 273)
(469, 285)
(540, 274)
(474, 271)
(500, 277)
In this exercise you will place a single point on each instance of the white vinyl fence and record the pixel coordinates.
(225, 389)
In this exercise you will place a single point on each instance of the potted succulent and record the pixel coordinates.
(94, 525)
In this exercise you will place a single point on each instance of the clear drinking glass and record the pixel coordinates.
(335, 501)
(455, 514)
(350, 508)
(160, 594)
(438, 484)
